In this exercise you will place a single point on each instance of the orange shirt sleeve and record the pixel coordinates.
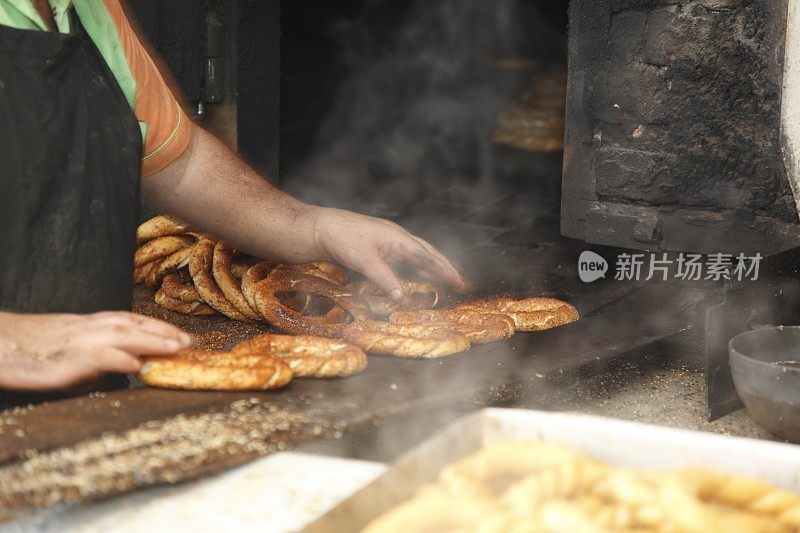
(169, 130)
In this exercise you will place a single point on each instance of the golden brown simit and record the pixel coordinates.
(529, 314)
(265, 297)
(178, 294)
(171, 263)
(307, 355)
(159, 226)
(405, 340)
(207, 370)
(195, 308)
(160, 248)
(200, 265)
(223, 262)
(480, 327)
(418, 295)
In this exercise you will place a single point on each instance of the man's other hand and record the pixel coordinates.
(56, 351)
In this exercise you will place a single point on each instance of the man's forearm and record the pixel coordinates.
(215, 191)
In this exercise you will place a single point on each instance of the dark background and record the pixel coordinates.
(284, 62)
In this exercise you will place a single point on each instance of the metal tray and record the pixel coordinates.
(627, 444)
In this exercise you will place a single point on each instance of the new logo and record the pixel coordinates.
(591, 266)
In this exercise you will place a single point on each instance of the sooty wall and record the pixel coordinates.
(673, 126)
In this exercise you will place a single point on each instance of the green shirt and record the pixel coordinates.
(97, 21)
(21, 14)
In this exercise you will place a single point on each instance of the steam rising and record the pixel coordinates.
(417, 114)
(414, 123)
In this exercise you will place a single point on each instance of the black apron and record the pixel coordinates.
(70, 151)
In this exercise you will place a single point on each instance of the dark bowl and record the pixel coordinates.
(771, 392)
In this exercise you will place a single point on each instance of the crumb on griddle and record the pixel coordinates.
(160, 451)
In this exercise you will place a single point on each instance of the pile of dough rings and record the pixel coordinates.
(196, 275)
(516, 487)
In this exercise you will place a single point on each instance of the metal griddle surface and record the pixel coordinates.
(388, 387)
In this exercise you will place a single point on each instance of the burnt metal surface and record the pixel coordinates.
(673, 120)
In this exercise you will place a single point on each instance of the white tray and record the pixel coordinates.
(279, 493)
(627, 444)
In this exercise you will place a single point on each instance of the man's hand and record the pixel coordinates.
(372, 246)
(54, 351)
(213, 190)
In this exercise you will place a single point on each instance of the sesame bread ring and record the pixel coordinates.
(171, 263)
(308, 356)
(159, 226)
(179, 285)
(259, 271)
(304, 302)
(529, 314)
(140, 273)
(277, 313)
(222, 371)
(242, 264)
(251, 277)
(321, 269)
(200, 263)
(478, 326)
(231, 287)
(418, 295)
(196, 308)
(405, 340)
(160, 248)
(298, 302)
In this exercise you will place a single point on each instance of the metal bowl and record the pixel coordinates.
(770, 391)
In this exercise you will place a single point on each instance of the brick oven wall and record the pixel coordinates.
(674, 126)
